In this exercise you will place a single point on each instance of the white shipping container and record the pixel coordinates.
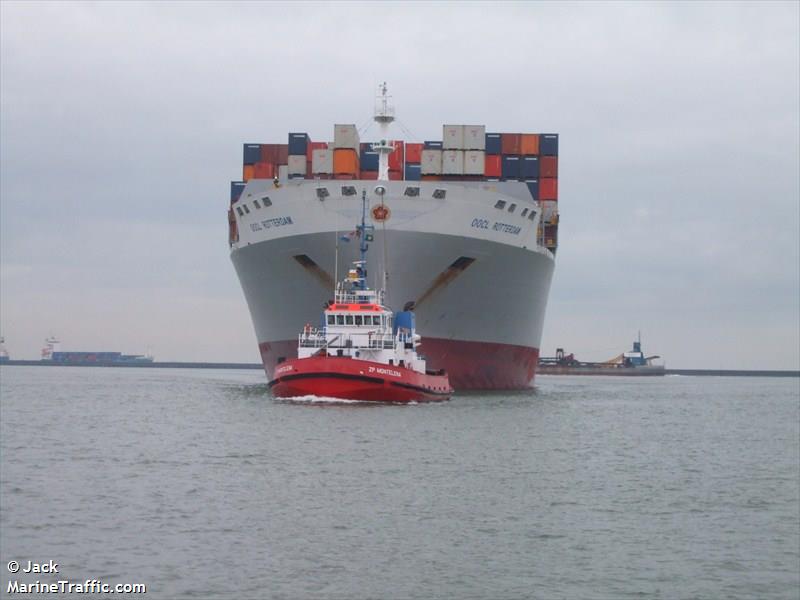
(453, 137)
(431, 162)
(297, 164)
(474, 137)
(345, 136)
(549, 211)
(452, 162)
(283, 172)
(474, 162)
(322, 161)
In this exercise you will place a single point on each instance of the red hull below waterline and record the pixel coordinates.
(353, 379)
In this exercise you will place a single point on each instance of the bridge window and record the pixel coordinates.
(340, 319)
(359, 320)
(331, 319)
(500, 204)
(247, 210)
(524, 212)
(348, 319)
(512, 208)
(532, 215)
(266, 201)
(256, 204)
(239, 210)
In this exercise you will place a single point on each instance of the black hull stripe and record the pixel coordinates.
(419, 388)
(331, 375)
(358, 378)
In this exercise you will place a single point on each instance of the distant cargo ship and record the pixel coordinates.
(466, 232)
(3, 352)
(52, 353)
(633, 362)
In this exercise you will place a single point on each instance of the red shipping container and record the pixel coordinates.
(396, 157)
(369, 175)
(548, 188)
(414, 153)
(248, 172)
(346, 176)
(493, 166)
(548, 166)
(431, 178)
(314, 146)
(395, 176)
(271, 152)
(511, 143)
(263, 170)
(283, 154)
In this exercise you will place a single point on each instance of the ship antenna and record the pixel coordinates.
(384, 115)
(362, 230)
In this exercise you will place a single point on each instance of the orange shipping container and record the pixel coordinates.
(395, 176)
(248, 172)
(263, 170)
(511, 143)
(345, 161)
(369, 175)
(431, 178)
(529, 144)
(548, 188)
(548, 166)
(414, 153)
(493, 166)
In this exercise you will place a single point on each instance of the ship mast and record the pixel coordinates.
(364, 237)
(384, 115)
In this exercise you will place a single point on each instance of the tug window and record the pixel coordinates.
(358, 320)
(348, 319)
(340, 319)
(376, 320)
(331, 319)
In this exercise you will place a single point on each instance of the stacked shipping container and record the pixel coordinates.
(466, 153)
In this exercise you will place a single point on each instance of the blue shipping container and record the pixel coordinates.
(298, 143)
(530, 167)
(413, 172)
(511, 167)
(533, 188)
(252, 154)
(369, 161)
(433, 145)
(493, 143)
(237, 187)
(548, 144)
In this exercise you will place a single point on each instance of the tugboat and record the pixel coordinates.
(364, 351)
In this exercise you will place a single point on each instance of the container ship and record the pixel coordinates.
(52, 353)
(465, 233)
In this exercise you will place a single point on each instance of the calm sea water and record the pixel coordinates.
(200, 485)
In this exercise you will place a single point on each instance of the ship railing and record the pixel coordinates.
(371, 341)
(362, 297)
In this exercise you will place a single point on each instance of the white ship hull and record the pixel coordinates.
(478, 277)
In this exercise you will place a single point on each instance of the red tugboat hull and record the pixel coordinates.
(353, 379)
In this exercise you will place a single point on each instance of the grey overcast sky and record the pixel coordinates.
(121, 126)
